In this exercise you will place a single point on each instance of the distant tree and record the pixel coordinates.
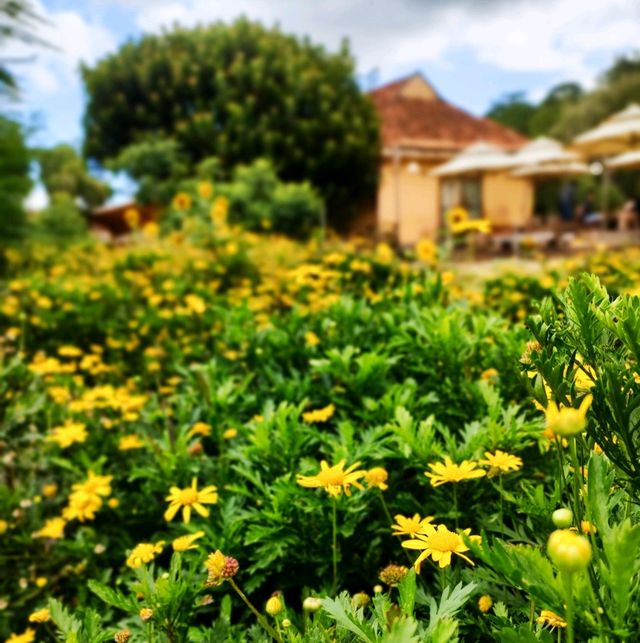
(63, 170)
(607, 99)
(158, 166)
(240, 92)
(549, 112)
(627, 65)
(61, 222)
(513, 111)
(14, 180)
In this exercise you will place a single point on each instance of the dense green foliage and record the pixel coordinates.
(242, 361)
(63, 171)
(239, 92)
(14, 180)
(61, 222)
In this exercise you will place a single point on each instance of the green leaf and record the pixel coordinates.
(346, 617)
(621, 544)
(407, 591)
(67, 624)
(599, 483)
(111, 596)
(523, 634)
(403, 630)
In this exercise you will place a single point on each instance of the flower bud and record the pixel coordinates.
(311, 604)
(286, 623)
(485, 603)
(274, 605)
(568, 550)
(122, 636)
(562, 518)
(360, 600)
(145, 613)
(567, 421)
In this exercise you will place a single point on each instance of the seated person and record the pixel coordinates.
(589, 215)
(628, 215)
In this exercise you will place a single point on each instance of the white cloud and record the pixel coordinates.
(561, 39)
(72, 40)
(557, 36)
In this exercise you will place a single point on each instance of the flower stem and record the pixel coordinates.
(577, 482)
(334, 546)
(501, 501)
(387, 514)
(568, 587)
(455, 504)
(532, 614)
(261, 619)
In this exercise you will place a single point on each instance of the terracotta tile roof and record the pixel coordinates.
(433, 123)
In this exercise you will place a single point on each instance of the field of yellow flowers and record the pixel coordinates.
(213, 436)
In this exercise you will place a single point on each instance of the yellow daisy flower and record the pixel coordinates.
(129, 442)
(319, 415)
(184, 543)
(377, 477)
(53, 528)
(410, 526)
(439, 544)
(28, 636)
(501, 462)
(200, 428)
(547, 617)
(189, 498)
(448, 471)
(144, 553)
(567, 421)
(67, 434)
(40, 616)
(334, 479)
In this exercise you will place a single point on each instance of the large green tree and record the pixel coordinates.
(239, 92)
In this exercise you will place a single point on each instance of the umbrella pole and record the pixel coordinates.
(606, 185)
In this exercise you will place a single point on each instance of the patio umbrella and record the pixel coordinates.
(619, 133)
(627, 160)
(478, 157)
(549, 170)
(543, 150)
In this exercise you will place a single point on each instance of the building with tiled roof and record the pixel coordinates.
(420, 131)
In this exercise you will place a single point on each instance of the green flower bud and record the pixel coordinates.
(562, 518)
(311, 604)
(569, 551)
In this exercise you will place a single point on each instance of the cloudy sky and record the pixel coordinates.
(473, 51)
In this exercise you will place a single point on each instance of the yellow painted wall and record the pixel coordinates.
(507, 201)
(408, 201)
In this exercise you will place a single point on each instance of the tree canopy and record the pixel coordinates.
(239, 92)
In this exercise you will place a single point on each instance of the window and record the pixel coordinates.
(465, 192)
